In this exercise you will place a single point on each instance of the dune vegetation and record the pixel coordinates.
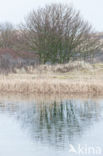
(55, 34)
(68, 79)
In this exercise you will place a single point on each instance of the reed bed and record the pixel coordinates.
(68, 79)
(49, 86)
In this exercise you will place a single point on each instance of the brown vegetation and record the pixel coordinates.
(51, 86)
(78, 80)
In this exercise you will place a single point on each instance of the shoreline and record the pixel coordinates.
(73, 79)
(51, 87)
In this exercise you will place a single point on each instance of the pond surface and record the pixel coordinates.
(65, 128)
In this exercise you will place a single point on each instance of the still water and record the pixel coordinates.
(51, 128)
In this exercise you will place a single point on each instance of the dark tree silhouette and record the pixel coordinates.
(58, 33)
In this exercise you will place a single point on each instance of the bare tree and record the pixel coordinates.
(58, 33)
(6, 35)
(10, 37)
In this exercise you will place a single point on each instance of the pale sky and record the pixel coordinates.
(14, 11)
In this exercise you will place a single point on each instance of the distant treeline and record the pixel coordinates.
(57, 33)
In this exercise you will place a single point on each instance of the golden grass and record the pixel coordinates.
(50, 86)
(84, 80)
(62, 68)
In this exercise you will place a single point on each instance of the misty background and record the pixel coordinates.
(14, 11)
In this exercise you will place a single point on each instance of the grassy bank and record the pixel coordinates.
(49, 86)
(69, 79)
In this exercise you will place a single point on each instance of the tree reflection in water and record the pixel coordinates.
(56, 123)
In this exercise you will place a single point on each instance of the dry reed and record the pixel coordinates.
(59, 80)
(49, 86)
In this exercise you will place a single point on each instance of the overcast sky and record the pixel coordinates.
(15, 10)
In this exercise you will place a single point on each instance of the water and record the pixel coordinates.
(42, 128)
